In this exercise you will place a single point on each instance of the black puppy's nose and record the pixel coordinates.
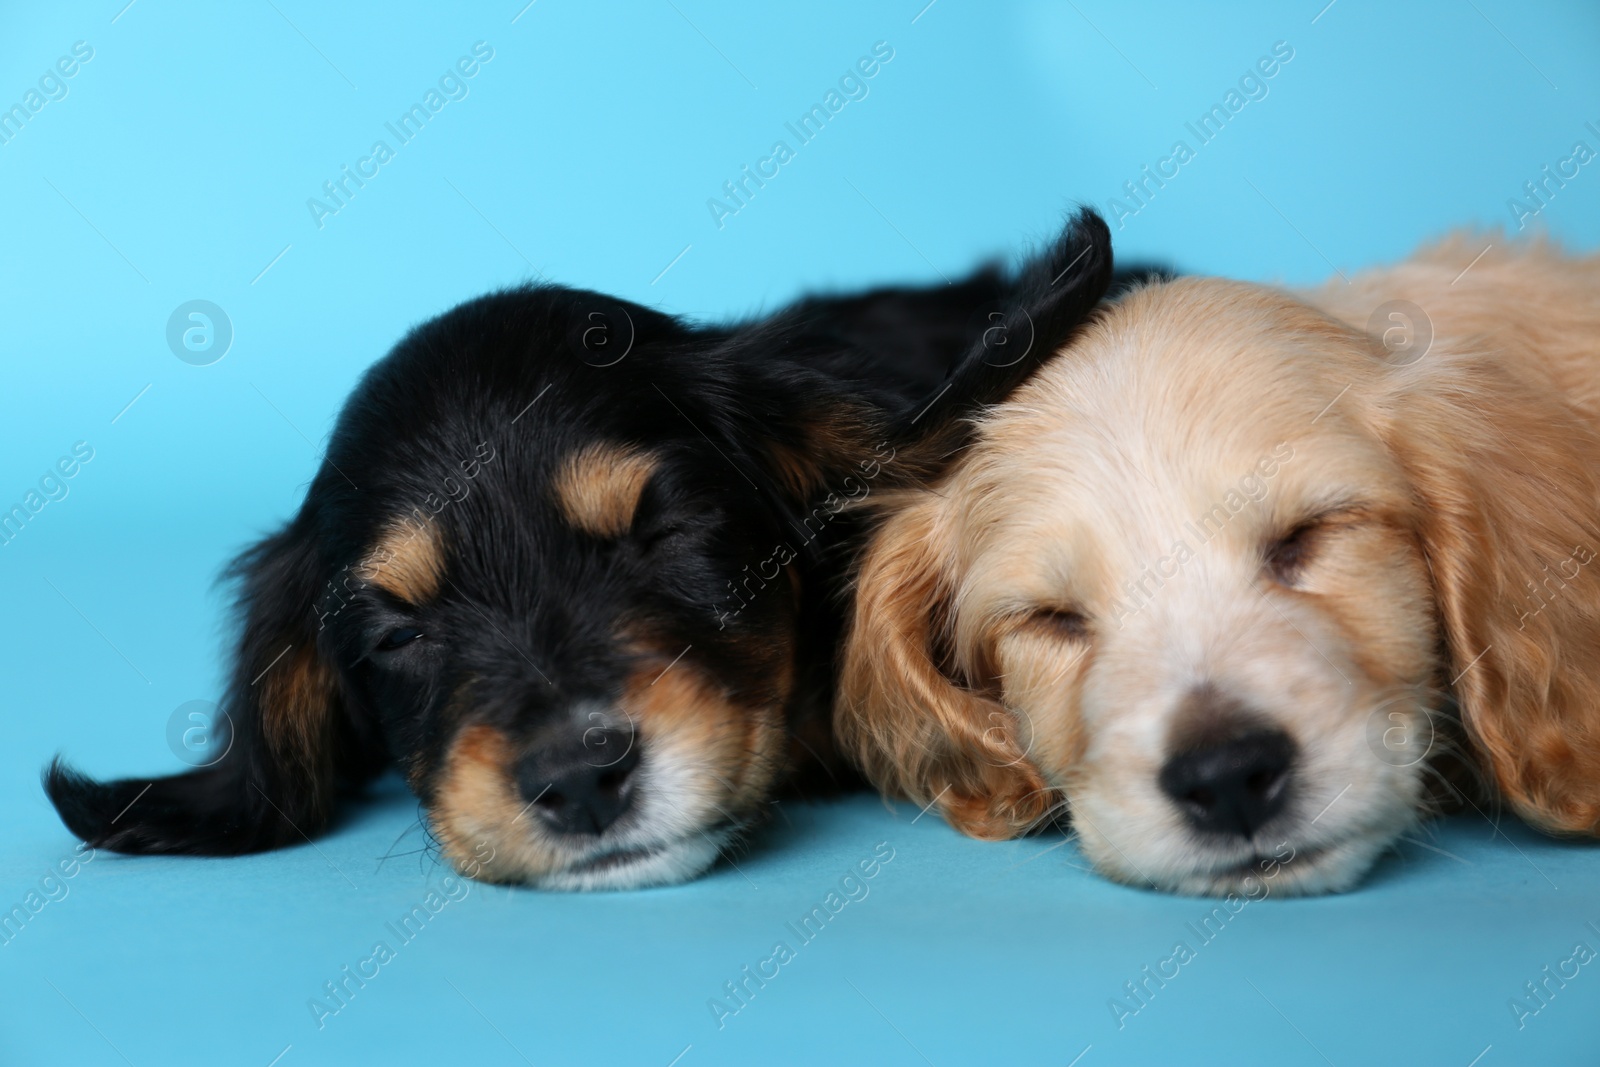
(581, 786)
(1234, 786)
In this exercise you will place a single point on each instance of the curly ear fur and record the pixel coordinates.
(291, 742)
(911, 727)
(1499, 436)
(1510, 503)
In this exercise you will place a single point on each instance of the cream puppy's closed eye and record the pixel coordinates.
(1219, 576)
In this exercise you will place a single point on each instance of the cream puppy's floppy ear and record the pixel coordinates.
(1508, 478)
(913, 724)
(914, 728)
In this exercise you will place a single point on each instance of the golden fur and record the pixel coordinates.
(1028, 632)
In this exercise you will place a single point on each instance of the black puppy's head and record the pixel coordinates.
(561, 566)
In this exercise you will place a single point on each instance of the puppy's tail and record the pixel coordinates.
(1048, 301)
(195, 813)
(289, 745)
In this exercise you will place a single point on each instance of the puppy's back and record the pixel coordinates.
(1526, 300)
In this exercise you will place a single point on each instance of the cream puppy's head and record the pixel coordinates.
(1205, 580)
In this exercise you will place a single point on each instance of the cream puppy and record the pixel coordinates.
(1230, 572)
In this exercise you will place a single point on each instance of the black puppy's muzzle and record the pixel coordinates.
(580, 781)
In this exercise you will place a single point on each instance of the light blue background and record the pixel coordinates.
(178, 167)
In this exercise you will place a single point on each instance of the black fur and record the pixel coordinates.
(760, 427)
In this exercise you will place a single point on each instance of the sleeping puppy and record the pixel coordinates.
(1232, 573)
(569, 564)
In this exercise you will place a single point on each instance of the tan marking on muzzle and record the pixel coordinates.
(479, 817)
(686, 715)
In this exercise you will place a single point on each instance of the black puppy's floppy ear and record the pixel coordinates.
(841, 383)
(1049, 299)
(291, 740)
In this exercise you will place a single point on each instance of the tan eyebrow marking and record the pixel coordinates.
(407, 561)
(598, 487)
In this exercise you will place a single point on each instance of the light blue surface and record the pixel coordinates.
(177, 166)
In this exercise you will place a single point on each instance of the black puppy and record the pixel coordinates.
(572, 565)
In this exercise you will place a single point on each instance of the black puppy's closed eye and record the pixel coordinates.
(399, 637)
(655, 534)
(663, 525)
